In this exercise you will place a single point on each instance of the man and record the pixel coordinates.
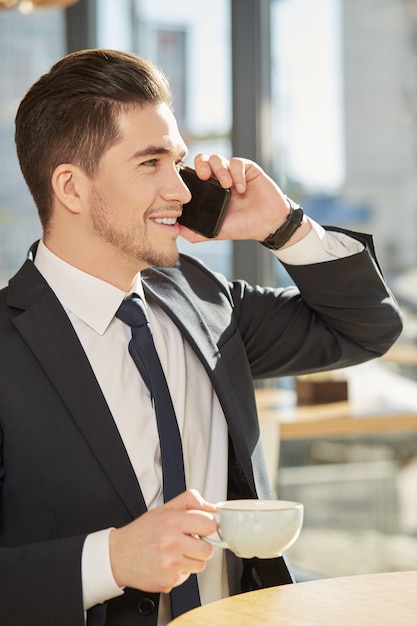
(84, 531)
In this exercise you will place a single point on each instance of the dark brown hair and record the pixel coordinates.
(70, 114)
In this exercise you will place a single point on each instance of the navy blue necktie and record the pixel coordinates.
(143, 352)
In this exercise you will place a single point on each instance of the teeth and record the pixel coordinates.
(166, 220)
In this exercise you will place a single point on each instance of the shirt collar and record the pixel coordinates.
(91, 299)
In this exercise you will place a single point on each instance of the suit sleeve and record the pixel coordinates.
(338, 314)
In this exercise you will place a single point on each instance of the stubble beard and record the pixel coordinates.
(130, 242)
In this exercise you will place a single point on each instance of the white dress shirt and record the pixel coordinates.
(91, 305)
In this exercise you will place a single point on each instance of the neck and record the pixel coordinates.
(101, 261)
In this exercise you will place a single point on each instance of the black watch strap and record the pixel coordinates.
(276, 240)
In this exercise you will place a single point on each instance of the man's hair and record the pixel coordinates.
(70, 115)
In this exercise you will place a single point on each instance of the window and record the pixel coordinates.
(29, 45)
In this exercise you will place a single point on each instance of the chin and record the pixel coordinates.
(170, 262)
(162, 260)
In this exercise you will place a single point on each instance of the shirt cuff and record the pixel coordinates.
(318, 246)
(97, 577)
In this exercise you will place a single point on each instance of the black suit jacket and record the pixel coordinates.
(64, 471)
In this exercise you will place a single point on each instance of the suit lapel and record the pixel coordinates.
(182, 307)
(45, 327)
(47, 330)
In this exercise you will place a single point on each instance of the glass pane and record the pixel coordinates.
(306, 48)
(192, 45)
(345, 119)
(29, 45)
(345, 93)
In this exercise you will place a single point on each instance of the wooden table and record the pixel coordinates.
(370, 600)
(333, 419)
(281, 419)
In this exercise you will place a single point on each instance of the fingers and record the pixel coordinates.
(190, 499)
(257, 206)
(230, 174)
(162, 547)
(185, 551)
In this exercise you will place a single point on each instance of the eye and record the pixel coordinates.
(150, 163)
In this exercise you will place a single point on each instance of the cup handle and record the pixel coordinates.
(216, 542)
(220, 543)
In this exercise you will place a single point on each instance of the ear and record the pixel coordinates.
(67, 184)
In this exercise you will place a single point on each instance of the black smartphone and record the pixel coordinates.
(206, 210)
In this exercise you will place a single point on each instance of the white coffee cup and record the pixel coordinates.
(261, 528)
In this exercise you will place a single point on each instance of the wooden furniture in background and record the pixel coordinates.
(332, 419)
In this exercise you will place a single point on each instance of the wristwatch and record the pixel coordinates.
(276, 240)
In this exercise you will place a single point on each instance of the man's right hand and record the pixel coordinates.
(161, 548)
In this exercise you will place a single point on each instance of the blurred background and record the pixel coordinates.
(323, 94)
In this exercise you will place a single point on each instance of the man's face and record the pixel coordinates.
(137, 194)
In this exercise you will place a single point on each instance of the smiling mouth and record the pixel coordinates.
(169, 221)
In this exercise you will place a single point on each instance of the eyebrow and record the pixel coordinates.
(155, 150)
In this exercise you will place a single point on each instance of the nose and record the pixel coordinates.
(175, 189)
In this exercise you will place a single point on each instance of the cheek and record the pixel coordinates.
(129, 198)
